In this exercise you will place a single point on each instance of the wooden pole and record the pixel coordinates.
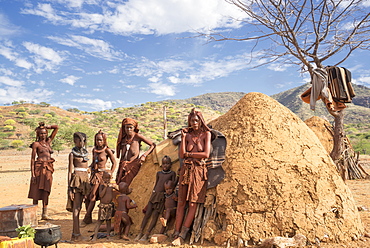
(164, 123)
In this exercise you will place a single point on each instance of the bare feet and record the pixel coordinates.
(144, 238)
(45, 217)
(124, 237)
(163, 221)
(178, 241)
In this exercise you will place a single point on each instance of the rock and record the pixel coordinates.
(157, 238)
(280, 242)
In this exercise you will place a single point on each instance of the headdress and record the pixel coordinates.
(122, 134)
(193, 112)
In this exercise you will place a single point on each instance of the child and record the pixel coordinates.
(78, 181)
(156, 202)
(122, 221)
(170, 204)
(101, 154)
(106, 206)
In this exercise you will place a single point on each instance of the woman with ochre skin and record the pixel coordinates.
(128, 150)
(101, 153)
(42, 167)
(78, 181)
(195, 148)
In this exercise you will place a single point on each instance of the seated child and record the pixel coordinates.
(122, 221)
(106, 206)
(156, 202)
(170, 204)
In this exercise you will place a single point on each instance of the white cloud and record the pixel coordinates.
(71, 80)
(162, 89)
(45, 58)
(278, 67)
(8, 52)
(7, 29)
(145, 16)
(365, 80)
(94, 47)
(44, 10)
(96, 104)
(10, 94)
(10, 82)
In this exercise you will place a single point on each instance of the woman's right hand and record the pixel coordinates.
(33, 180)
(70, 194)
(183, 132)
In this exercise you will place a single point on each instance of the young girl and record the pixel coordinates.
(101, 153)
(78, 180)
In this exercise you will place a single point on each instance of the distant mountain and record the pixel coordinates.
(220, 102)
(356, 112)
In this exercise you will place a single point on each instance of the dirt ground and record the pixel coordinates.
(14, 184)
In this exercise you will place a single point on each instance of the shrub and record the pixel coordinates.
(16, 143)
(35, 111)
(23, 114)
(9, 122)
(20, 109)
(48, 115)
(9, 128)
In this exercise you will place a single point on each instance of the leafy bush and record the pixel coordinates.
(16, 143)
(20, 109)
(9, 128)
(9, 122)
(48, 115)
(4, 143)
(35, 111)
(23, 114)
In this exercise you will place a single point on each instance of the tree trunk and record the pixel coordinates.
(338, 147)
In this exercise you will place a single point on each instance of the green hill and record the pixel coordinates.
(17, 122)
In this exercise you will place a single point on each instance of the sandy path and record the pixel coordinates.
(14, 183)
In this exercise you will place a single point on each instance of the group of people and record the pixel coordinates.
(92, 181)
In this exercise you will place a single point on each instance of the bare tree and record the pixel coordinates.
(305, 33)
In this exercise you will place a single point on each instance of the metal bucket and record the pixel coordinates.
(14, 216)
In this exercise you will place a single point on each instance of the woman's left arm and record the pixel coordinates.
(149, 143)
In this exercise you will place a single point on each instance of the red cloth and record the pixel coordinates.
(44, 177)
(127, 171)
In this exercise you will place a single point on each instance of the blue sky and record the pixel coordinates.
(97, 55)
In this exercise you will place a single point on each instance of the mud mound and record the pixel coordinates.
(279, 179)
(143, 183)
(322, 129)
